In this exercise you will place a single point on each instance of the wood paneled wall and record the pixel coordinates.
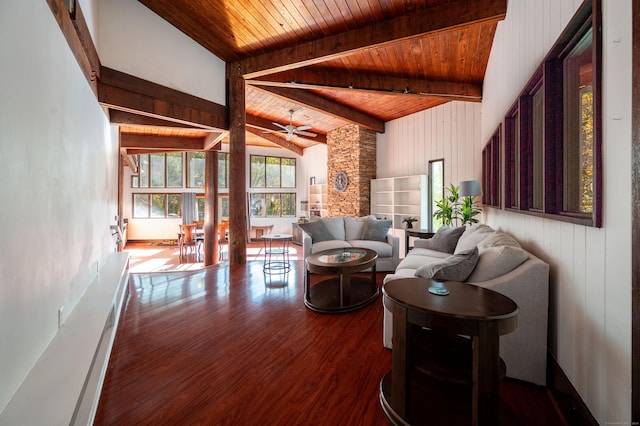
(450, 131)
(590, 305)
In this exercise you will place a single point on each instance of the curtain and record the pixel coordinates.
(188, 208)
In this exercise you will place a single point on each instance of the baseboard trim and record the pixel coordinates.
(566, 397)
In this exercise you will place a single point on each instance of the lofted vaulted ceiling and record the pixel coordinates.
(335, 62)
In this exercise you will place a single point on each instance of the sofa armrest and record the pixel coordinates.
(394, 241)
(307, 244)
(528, 286)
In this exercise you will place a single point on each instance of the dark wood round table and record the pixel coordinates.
(341, 293)
(450, 376)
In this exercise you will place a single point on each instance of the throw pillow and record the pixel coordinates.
(473, 236)
(317, 230)
(499, 238)
(494, 262)
(375, 230)
(353, 227)
(456, 267)
(444, 240)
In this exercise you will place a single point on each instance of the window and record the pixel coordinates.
(578, 129)
(223, 170)
(273, 204)
(195, 169)
(272, 172)
(158, 171)
(156, 205)
(436, 193)
(223, 207)
(491, 170)
(553, 133)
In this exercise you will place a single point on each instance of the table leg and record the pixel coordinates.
(486, 374)
(400, 363)
(345, 289)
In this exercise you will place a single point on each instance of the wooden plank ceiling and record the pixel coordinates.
(334, 62)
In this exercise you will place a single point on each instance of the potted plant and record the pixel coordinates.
(448, 208)
(409, 221)
(452, 210)
(467, 210)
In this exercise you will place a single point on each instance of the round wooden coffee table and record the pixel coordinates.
(343, 293)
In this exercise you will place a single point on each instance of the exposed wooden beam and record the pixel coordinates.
(213, 141)
(130, 119)
(438, 19)
(277, 140)
(162, 143)
(76, 32)
(125, 92)
(370, 83)
(262, 124)
(128, 161)
(327, 106)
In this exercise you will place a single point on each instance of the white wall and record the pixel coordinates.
(135, 40)
(590, 318)
(450, 131)
(58, 167)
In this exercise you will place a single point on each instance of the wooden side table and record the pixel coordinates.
(442, 389)
(420, 233)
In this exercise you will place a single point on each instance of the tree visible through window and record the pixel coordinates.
(272, 172)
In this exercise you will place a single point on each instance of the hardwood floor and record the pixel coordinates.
(224, 346)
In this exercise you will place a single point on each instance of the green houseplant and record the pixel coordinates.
(448, 208)
(452, 209)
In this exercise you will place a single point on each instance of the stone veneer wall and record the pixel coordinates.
(353, 150)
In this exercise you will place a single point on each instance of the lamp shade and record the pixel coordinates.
(470, 188)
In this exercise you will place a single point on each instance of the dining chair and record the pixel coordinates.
(223, 239)
(188, 242)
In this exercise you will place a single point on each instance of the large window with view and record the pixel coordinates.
(158, 171)
(157, 205)
(272, 172)
(273, 204)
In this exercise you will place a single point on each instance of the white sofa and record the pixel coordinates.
(345, 231)
(503, 266)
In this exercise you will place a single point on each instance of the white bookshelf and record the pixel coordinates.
(399, 197)
(318, 200)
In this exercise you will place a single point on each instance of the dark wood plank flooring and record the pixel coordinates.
(225, 346)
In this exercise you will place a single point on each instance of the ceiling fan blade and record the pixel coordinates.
(305, 127)
(279, 125)
(309, 134)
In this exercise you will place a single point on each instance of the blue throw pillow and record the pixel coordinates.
(375, 230)
(317, 230)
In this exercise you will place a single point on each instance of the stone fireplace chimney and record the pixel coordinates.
(351, 149)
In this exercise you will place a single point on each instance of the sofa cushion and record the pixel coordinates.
(455, 268)
(335, 225)
(353, 226)
(330, 244)
(497, 261)
(498, 239)
(317, 230)
(375, 230)
(445, 239)
(414, 262)
(472, 236)
(384, 249)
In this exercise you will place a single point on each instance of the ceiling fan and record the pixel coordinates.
(292, 131)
